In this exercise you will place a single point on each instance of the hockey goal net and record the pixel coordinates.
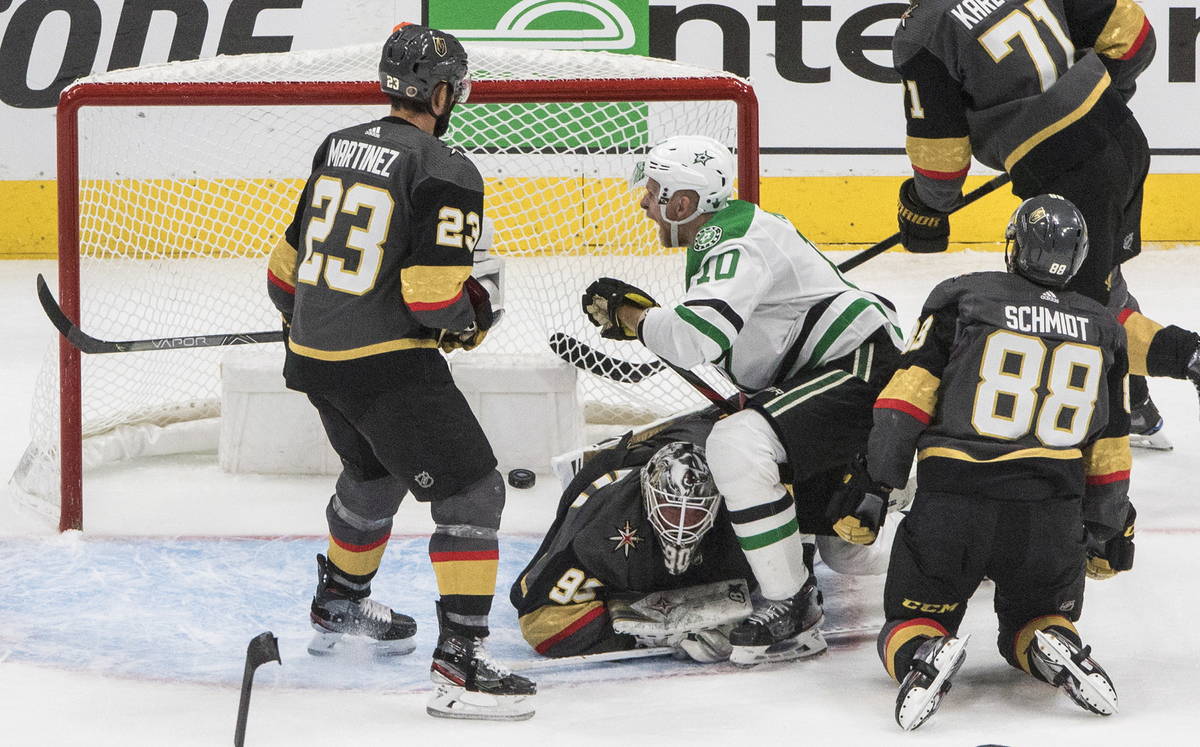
(176, 180)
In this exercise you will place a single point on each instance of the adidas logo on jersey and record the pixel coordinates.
(375, 132)
(1049, 296)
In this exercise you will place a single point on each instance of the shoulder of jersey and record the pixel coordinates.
(920, 22)
(439, 159)
(729, 224)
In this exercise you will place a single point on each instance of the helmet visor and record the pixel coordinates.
(464, 89)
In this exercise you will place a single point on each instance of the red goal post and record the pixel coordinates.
(312, 93)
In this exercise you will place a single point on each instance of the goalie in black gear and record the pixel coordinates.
(641, 517)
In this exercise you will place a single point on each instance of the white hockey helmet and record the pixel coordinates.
(681, 501)
(691, 162)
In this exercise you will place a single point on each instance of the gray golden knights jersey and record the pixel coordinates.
(374, 261)
(762, 303)
(996, 78)
(1013, 391)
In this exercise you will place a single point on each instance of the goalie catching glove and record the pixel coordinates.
(1115, 555)
(485, 319)
(859, 506)
(605, 297)
(923, 230)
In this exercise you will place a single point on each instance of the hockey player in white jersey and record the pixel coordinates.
(808, 349)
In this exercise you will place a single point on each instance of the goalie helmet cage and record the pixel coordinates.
(588, 114)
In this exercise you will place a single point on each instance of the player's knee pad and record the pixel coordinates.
(475, 510)
(743, 455)
(366, 506)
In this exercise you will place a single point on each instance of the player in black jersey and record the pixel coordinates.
(1039, 89)
(643, 551)
(1011, 396)
(373, 276)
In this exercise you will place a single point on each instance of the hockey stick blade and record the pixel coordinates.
(586, 358)
(871, 252)
(263, 647)
(87, 344)
(835, 635)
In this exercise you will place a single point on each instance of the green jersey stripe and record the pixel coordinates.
(802, 392)
(705, 327)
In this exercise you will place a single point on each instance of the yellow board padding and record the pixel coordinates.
(543, 215)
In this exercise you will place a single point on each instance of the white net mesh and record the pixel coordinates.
(179, 206)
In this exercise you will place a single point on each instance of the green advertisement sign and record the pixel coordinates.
(619, 26)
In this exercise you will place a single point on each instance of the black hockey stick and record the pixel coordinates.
(586, 358)
(981, 191)
(583, 356)
(263, 647)
(88, 344)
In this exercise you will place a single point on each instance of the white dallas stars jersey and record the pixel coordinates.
(762, 303)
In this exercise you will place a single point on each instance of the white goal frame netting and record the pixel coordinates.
(176, 180)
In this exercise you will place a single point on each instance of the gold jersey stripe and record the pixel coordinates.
(282, 263)
(1140, 330)
(431, 283)
(945, 154)
(1107, 456)
(915, 386)
(1034, 453)
(1122, 31)
(546, 622)
(405, 343)
(474, 577)
(1023, 149)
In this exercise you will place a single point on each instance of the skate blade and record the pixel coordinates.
(450, 701)
(809, 643)
(324, 643)
(917, 705)
(1156, 441)
(1091, 692)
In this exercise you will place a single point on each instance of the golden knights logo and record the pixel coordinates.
(626, 538)
(439, 45)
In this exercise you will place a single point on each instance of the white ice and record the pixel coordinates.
(104, 686)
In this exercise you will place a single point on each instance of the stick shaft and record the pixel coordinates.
(981, 191)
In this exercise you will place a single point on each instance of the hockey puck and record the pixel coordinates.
(521, 478)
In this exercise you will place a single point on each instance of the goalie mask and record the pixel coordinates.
(416, 59)
(1047, 240)
(681, 501)
(688, 162)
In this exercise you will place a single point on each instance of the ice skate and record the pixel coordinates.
(780, 630)
(1067, 666)
(1146, 427)
(928, 680)
(470, 685)
(337, 617)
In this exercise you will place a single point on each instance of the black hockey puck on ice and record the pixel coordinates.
(521, 478)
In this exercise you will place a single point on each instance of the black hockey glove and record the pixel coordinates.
(485, 318)
(859, 505)
(604, 297)
(923, 230)
(1115, 555)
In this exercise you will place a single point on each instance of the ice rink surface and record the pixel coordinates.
(133, 633)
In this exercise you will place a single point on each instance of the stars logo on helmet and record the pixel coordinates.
(626, 538)
(703, 157)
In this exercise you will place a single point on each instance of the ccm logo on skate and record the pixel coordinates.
(935, 609)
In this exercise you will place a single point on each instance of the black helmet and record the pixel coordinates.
(1048, 240)
(416, 58)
